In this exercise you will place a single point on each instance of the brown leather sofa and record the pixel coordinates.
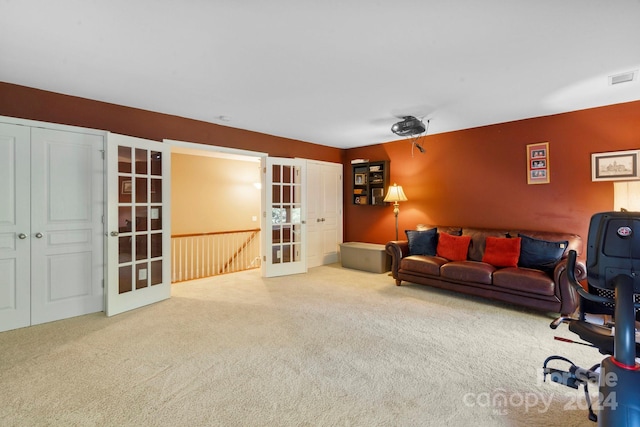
(541, 288)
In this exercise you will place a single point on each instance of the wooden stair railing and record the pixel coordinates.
(199, 255)
(237, 253)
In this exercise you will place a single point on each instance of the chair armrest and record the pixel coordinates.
(398, 249)
(564, 289)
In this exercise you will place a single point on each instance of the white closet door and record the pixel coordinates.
(67, 259)
(331, 194)
(324, 212)
(15, 292)
(314, 215)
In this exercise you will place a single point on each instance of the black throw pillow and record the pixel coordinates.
(540, 254)
(422, 242)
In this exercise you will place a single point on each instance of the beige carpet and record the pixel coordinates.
(334, 347)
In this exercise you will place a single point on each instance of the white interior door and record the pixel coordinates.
(324, 212)
(284, 218)
(138, 223)
(15, 240)
(331, 212)
(67, 205)
(314, 215)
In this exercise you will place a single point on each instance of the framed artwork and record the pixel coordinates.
(615, 166)
(538, 163)
(360, 179)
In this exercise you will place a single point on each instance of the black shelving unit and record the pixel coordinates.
(370, 182)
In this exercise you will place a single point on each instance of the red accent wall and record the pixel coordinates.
(34, 104)
(478, 177)
(474, 177)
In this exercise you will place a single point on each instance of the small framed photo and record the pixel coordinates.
(615, 166)
(538, 163)
(126, 187)
(360, 179)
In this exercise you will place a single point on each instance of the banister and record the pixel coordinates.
(213, 233)
(200, 255)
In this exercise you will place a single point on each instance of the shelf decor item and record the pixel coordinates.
(396, 194)
(538, 163)
(377, 196)
(615, 166)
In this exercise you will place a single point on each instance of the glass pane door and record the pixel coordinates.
(284, 217)
(139, 238)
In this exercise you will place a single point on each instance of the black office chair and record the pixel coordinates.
(613, 276)
(596, 320)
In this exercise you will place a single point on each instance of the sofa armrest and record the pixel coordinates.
(565, 290)
(398, 249)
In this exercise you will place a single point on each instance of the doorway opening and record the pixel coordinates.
(216, 208)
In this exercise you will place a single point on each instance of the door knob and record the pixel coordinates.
(114, 233)
(22, 236)
(39, 235)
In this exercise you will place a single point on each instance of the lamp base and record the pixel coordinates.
(396, 211)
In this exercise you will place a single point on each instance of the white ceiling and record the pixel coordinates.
(332, 72)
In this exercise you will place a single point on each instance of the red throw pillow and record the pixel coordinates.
(453, 248)
(502, 251)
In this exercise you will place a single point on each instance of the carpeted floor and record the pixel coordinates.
(333, 347)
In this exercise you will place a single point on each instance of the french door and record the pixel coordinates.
(284, 217)
(138, 223)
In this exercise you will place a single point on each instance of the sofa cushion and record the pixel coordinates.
(540, 254)
(502, 252)
(453, 248)
(468, 271)
(524, 279)
(422, 264)
(422, 242)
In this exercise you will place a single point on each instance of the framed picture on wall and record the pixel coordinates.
(126, 187)
(538, 163)
(615, 166)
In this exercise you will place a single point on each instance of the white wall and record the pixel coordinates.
(212, 194)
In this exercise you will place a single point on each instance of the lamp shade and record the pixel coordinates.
(395, 194)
